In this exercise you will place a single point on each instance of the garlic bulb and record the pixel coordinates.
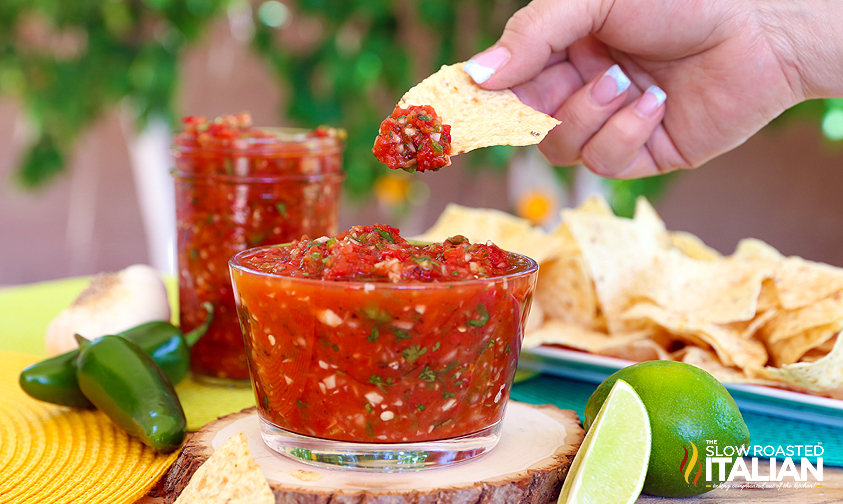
(113, 302)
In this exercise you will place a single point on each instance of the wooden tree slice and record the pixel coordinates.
(537, 446)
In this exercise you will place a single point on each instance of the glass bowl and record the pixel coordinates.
(381, 376)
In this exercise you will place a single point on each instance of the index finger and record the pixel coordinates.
(531, 36)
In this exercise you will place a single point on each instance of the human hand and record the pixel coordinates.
(725, 66)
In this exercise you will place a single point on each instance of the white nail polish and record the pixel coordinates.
(650, 101)
(622, 80)
(478, 72)
(657, 93)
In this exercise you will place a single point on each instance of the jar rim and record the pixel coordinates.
(225, 178)
(276, 141)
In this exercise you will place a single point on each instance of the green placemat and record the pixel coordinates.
(765, 430)
(26, 310)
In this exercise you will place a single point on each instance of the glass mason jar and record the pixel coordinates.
(239, 187)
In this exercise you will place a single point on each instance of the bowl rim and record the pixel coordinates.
(532, 267)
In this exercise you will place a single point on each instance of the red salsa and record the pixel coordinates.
(238, 186)
(413, 139)
(365, 337)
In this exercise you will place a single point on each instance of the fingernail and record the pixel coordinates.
(650, 101)
(485, 64)
(610, 86)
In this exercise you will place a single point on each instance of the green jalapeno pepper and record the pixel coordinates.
(123, 382)
(54, 380)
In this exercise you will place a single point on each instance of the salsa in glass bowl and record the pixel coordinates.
(364, 347)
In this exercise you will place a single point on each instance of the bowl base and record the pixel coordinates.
(379, 457)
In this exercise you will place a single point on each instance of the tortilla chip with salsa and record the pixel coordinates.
(448, 114)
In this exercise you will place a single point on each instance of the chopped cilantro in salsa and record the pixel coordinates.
(383, 341)
(413, 139)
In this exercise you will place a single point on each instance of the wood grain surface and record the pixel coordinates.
(527, 467)
(540, 486)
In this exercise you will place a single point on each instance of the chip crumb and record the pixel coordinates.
(306, 475)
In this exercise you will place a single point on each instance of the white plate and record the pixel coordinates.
(755, 398)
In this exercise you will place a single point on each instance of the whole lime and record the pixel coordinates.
(692, 416)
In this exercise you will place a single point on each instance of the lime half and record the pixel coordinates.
(611, 464)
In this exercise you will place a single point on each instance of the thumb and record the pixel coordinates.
(533, 35)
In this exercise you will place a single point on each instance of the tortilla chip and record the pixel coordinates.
(638, 350)
(595, 205)
(555, 332)
(748, 329)
(820, 351)
(615, 251)
(788, 323)
(693, 247)
(752, 249)
(230, 476)
(792, 349)
(646, 217)
(566, 292)
(718, 292)
(823, 376)
(478, 118)
(799, 282)
(768, 298)
(536, 317)
(504, 230)
(731, 348)
(708, 361)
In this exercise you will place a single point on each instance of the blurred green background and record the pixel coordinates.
(66, 65)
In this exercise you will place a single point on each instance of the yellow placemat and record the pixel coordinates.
(53, 454)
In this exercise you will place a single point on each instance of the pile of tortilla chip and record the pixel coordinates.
(629, 288)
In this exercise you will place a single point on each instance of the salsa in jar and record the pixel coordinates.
(365, 337)
(413, 139)
(239, 186)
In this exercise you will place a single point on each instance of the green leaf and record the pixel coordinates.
(41, 164)
(482, 317)
(401, 335)
(427, 375)
(413, 352)
(385, 235)
(380, 382)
